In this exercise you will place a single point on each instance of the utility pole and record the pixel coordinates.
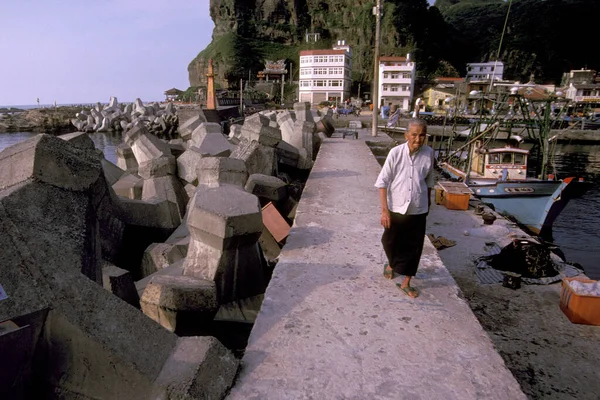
(282, 87)
(241, 97)
(375, 91)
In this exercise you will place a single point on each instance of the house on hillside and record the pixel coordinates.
(583, 88)
(396, 81)
(172, 94)
(485, 71)
(438, 97)
(435, 97)
(325, 74)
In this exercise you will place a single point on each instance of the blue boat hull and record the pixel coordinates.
(535, 204)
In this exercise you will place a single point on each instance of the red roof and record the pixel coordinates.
(391, 58)
(448, 79)
(321, 52)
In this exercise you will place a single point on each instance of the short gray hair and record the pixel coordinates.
(417, 122)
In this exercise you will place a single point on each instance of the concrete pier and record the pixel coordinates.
(331, 327)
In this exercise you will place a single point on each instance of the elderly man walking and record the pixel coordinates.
(405, 184)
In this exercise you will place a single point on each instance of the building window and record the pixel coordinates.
(335, 82)
(587, 93)
(305, 71)
(395, 75)
(407, 75)
(386, 88)
(405, 88)
(320, 71)
(320, 82)
(386, 75)
(394, 88)
(336, 71)
(305, 83)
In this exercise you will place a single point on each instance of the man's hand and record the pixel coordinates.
(386, 219)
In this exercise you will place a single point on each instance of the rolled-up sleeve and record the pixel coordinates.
(387, 174)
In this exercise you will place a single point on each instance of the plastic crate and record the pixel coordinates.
(580, 309)
(454, 201)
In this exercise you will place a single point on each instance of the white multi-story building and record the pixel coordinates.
(396, 81)
(583, 88)
(485, 71)
(325, 74)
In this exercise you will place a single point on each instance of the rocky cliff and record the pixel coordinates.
(249, 31)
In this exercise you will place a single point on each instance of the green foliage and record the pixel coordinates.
(543, 37)
(190, 94)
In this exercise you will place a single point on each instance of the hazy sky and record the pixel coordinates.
(83, 51)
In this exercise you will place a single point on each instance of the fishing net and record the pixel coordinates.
(524, 257)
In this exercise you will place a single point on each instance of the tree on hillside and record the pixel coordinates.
(558, 33)
(474, 31)
(421, 31)
(544, 38)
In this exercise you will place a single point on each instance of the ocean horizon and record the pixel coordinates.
(32, 106)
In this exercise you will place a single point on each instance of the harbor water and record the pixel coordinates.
(576, 230)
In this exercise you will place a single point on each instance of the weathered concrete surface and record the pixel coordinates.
(549, 356)
(332, 327)
(91, 344)
(266, 186)
(225, 224)
(199, 368)
(168, 299)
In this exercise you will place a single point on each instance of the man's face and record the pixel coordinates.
(415, 137)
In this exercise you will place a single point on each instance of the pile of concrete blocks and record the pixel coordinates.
(67, 306)
(222, 263)
(184, 229)
(219, 254)
(160, 119)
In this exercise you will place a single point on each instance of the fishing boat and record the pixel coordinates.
(501, 174)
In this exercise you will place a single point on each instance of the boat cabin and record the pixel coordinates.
(504, 163)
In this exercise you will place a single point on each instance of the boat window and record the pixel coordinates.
(519, 159)
(494, 158)
(506, 158)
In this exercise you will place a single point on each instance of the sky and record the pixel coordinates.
(84, 51)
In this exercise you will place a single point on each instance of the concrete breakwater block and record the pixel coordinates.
(171, 300)
(218, 171)
(225, 224)
(266, 187)
(55, 209)
(160, 255)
